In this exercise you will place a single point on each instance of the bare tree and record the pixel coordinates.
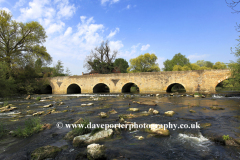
(232, 4)
(100, 59)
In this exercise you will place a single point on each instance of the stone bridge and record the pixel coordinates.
(148, 82)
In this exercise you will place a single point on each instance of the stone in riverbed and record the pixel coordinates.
(158, 130)
(150, 110)
(38, 113)
(96, 151)
(155, 112)
(204, 125)
(133, 109)
(103, 114)
(87, 138)
(112, 111)
(192, 111)
(217, 108)
(28, 97)
(49, 105)
(169, 113)
(45, 152)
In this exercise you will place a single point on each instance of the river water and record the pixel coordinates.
(181, 144)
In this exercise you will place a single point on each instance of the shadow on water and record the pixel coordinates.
(182, 144)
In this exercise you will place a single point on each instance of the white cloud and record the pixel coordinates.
(35, 10)
(115, 45)
(145, 47)
(68, 31)
(160, 61)
(6, 9)
(65, 10)
(113, 33)
(197, 57)
(20, 3)
(128, 6)
(111, 1)
(55, 28)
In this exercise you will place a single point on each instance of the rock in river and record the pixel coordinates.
(133, 109)
(87, 138)
(158, 129)
(49, 105)
(169, 113)
(96, 151)
(103, 114)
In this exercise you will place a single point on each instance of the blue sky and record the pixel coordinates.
(199, 29)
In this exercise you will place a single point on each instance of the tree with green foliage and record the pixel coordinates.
(219, 65)
(100, 59)
(122, 64)
(21, 41)
(202, 63)
(178, 59)
(7, 85)
(144, 63)
(58, 69)
(68, 72)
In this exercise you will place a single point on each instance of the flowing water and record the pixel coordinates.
(181, 144)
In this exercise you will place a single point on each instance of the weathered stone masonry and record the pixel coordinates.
(148, 82)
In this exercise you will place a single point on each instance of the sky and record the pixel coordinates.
(198, 29)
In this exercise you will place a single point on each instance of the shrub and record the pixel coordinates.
(226, 137)
(81, 130)
(38, 98)
(32, 125)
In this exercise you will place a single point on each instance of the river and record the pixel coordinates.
(182, 143)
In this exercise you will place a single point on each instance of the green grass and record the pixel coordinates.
(5, 103)
(32, 125)
(80, 131)
(38, 98)
(226, 137)
(2, 131)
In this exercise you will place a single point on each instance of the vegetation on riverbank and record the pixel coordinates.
(32, 125)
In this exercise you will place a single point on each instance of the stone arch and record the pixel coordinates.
(220, 80)
(47, 89)
(73, 88)
(101, 88)
(178, 86)
(126, 88)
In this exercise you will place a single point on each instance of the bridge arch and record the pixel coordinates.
(73, 88)
(176, 87)
(101, 88)
(127, 88)
(47, 89)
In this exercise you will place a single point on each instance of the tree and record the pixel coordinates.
(219, 65)
(144, 63)
(202, 63)
(178, 59)
(68, 72)
(122, 64)
(177, 68)
(58, 69)
(21, 41)
(7, 85)
(100, 59)
(232, 4)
